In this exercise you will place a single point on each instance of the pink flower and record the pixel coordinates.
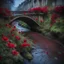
(15, 53)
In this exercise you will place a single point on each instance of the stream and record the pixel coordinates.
(46, 51)
(20, 28)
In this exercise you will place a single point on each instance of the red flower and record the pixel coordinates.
(13, 29)
(36, 19)
(36, 9)
(0, 26)
(8, 35)
(25, 41)
(44, 9)
(39, 9)
(46, 52)
(7, 12)
(51, 25)
(25, 45)
(41, 21)
(24, 13)
(59, 9)
(54, 17)
(4, 38)
(19, 32)
(7, 25)
(17, 37)
(12, 34)
(31, 10)
(11, 45)
(2, 35)
(14, 52)
(1, 10)
(34, 41)
(0, 57)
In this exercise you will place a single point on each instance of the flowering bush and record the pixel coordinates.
(39, 9)
(59, 10)
(58, 26)
(5, 12)
(44, 9)
(14, 48)
(54, 17)
(52, 22)
(57, 18)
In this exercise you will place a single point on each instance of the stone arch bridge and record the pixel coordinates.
(28, 20)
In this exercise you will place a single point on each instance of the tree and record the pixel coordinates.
(6, 3)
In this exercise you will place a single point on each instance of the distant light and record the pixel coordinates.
(17, 2)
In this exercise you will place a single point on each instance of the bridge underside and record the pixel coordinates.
(33, 25)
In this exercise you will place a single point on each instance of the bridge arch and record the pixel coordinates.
(29, 21)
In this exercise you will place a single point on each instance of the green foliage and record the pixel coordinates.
(48, 26)
(58, 26)
(13, 55)
(45, 26)
(23, 24)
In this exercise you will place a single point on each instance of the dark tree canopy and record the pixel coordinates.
(6, 3)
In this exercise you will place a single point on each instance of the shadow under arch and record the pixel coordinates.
(29, 21)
